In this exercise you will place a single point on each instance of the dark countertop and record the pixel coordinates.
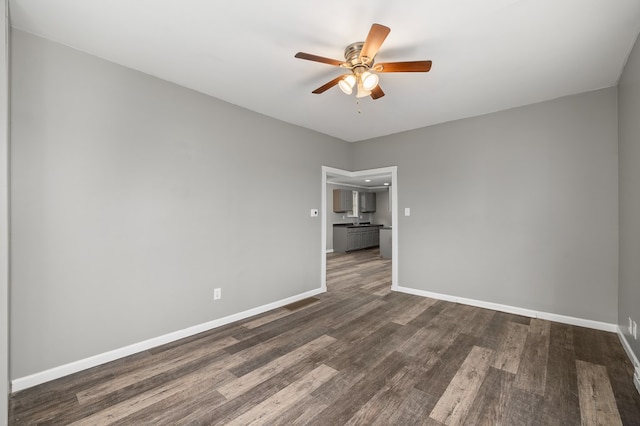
(361, 225)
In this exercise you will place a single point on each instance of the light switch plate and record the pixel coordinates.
(314, 212)
(407, 211)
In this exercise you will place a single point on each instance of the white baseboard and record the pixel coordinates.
(22, 383)
(329, 251)
(513, 310)
(632, 356)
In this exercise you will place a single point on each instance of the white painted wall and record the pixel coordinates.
(629, 153)
(132, 198)
(518, 207)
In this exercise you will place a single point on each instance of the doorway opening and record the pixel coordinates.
(356, 180)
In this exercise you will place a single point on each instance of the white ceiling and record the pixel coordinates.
(487, 55)
(374, 180)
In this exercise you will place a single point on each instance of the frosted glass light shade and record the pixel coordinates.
(369, 80)
(347, 83)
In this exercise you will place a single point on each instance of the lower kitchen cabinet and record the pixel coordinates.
(385, 243)
(354, 238)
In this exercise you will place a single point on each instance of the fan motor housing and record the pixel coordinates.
(352, 55)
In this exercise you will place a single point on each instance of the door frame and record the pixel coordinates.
(393, 170)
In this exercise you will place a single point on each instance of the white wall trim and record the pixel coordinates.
(598, 325)
(329, 251)
(632, 357)
(627, 348)
(393, 170)
(83, 364)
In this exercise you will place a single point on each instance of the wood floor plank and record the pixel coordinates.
(174, 409)
(341, 410)
(250, 380)
(532, 370)
(413, 311)
(259, 355)
(589, 345)
(270, 409)
(370, 346)
(454, 405)
(122, 381)
(597, 402)
(619, 369)
(414, 409)
(523, 408)
(193, 383)
(266, 318)
(430, 341)
(478, 322)
(490, 405)
(439, 373)
(509, 352)
(387, 399)
(235, 407)
(561, 406)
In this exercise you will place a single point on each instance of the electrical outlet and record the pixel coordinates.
(635, 330)
(217, 293)
(630, 326)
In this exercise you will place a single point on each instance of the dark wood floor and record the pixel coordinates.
(360, 354)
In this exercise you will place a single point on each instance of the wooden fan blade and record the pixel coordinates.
(377, 34)
(377, 92)
(316, 58)
(412, 66)
(329, 85)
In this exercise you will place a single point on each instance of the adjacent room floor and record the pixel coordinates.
(358, 354)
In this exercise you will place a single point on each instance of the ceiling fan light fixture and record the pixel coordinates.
(347, 83)
(369, 80)
(359, 58)
(362, 92)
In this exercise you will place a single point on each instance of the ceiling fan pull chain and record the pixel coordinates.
(358, 106)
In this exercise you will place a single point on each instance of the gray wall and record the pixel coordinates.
(133, 198)
(517, 207)
(629, 153)
(4, 215)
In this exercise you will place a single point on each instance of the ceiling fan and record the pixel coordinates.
(359, 59)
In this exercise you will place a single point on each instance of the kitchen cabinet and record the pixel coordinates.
(342, 200)
(367, 202)
(385, 243)
(350, 238)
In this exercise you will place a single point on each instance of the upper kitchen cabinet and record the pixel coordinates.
(367, 202)
(342, 200)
